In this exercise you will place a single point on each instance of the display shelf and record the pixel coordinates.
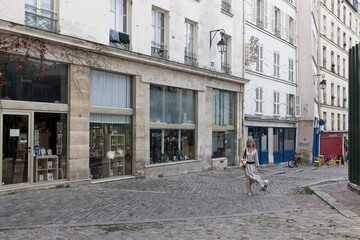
(46, 168)
(115, 156)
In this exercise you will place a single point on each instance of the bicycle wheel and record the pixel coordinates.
(291, 163)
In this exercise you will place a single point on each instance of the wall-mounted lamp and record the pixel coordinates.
(322, 84)
(222, 45)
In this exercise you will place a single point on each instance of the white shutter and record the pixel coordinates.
(272, 12)
(253, 11)
(282, 25)
(265, 15)
(261, 100)
(298, 106)
(287, 27)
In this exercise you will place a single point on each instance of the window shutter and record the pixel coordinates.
(253, 11)
(272, 9)
(298, 106)
(265, 15)
(282, 26)
(287, 27)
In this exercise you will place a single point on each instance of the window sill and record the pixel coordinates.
(227, 13)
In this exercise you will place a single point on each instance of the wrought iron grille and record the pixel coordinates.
(225, 5)
(159, 50)
(190, 58)
(40, 18)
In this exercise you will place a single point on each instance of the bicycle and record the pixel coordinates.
(295, 161)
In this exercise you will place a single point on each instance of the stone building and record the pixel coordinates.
(118, 89)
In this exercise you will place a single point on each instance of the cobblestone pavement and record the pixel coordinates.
(207, 205)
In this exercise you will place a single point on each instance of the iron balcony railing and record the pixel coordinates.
(277, 32)
(158, 50)
(40, 18)
(190, 58)
(259, 23)
(225, 68)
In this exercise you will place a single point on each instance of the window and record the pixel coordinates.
(344, 122)
(223, 108)
(350, 42)
(338, 9)
(332, 94)
(344, 67)
(291, 70)
(338, 64)
(223, 124)
(276, 64)
(260, 60)
(344, 15)
(325, 119)
(338, 36)
(31, 83)
(350, 20)
(324, 25)
(332, 6)
(338, 121)
(158, 47)
(225, 61)
(190, 56)
(276, 103)
(118, 15)
(344, 40)
(40, 14)
(332, 31)
(344, 97)
(277, 22)
(258, 13)
(291, 30)
(226, 5)
(338, 95)
(175, 142)
(259, 100)
(290, 104)
(118, 24)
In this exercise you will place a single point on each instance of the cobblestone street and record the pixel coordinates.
(208, 205)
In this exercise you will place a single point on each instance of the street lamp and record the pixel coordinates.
(322, 84)
(221, 45)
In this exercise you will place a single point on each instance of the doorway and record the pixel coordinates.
(15, 148)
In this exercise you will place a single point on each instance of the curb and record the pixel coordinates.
(332, 202)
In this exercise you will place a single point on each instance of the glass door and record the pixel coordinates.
(15, 148)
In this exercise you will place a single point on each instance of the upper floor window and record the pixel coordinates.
(260, 60)
(324, 25)
(276, 103)
(118, 15)
(277, 22)
(40, 14)
(291, 30)
(276, 64)
(223, 107)
(258, 13)
(290, 103)
(118, 24)
(259, 100)
(158, 47)
(324, 57)
(190, 35)
(291, 70)
(226, 5)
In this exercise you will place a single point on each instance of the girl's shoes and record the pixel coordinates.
(249, 194)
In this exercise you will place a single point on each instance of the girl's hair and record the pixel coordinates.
(249, 142)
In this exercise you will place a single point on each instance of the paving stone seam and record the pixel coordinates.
(89, 224)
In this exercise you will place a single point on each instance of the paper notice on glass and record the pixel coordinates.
(14, 132)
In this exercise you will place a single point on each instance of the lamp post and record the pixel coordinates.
(221, 45)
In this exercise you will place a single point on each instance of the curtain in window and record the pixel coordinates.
(223, 108)
(110, 90)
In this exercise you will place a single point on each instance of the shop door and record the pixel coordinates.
(15, 148)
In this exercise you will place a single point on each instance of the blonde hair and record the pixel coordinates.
(249, 142)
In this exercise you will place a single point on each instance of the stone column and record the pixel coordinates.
(79, 122)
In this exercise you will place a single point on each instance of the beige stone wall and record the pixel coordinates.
(78, 138)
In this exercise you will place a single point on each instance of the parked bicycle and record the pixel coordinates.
(295, 161)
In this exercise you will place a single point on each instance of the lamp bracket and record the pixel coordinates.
(214, 32)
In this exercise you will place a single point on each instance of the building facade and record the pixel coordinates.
(125, 88)
(339, 22)
(271, 97)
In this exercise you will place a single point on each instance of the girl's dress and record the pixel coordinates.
(250, 168)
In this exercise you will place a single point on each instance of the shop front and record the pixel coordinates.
(34, 121)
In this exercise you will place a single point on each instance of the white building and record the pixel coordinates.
(271, 100)
(119, 88)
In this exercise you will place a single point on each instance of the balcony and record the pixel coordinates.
(159, 50)
(190, 58)
(225, 68)
(260, 23)
(40, 18)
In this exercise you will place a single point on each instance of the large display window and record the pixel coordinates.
(172, 124)
(34, 81)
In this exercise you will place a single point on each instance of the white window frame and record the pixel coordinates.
(259, 100)
(260, 61)
(159, 33)
(118, 15)
(37, 16)
(290, 105)
(291, 70)
(276, 111)
(276, 64)
(190, 42)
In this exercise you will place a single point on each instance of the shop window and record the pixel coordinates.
(171, 105)
(110, 90)
(50, 152)
(110, 145)
(223, 108)
(171, 145)
(31, 83)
